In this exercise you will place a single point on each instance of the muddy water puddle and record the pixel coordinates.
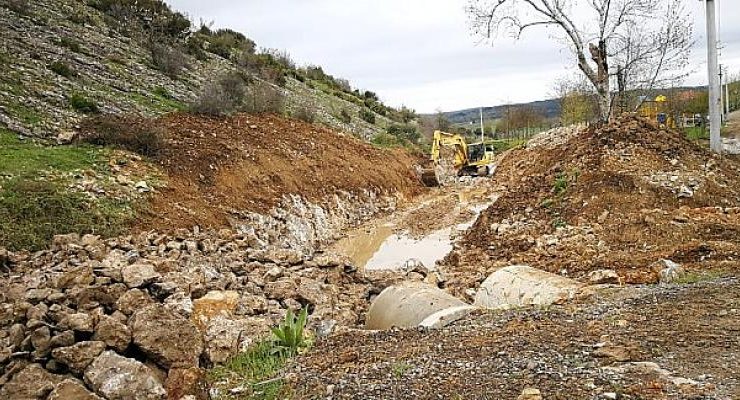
(387, 244)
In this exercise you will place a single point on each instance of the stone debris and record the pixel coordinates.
(129, 311)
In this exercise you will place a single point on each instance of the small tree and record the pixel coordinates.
(640, 44)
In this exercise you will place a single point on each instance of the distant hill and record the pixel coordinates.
(548, 108)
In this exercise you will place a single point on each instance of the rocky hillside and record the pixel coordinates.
(65, 59)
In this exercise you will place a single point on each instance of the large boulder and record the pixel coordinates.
(167, 338)
(225, 337)
(72, 389)
(119, 378)
(521, 285)
(78, 356)
(79, 322)
(414, 304)
(31, 383)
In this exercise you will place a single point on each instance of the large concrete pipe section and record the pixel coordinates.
(414, 304)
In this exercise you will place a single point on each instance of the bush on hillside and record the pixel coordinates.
(263, 66)
(63, 69)
(168, 58)
(82, 104)
(225, 42)
(120, 133)
(223, 96)
(265, 98)
(145, 17)
(305, 113)
(367, 115)
(406, 132)
(344, 116)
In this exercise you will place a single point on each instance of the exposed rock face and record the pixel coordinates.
(520, 285)
(119, 378)
(169, 339)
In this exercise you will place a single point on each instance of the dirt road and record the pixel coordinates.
(647, 342)
(733, 125)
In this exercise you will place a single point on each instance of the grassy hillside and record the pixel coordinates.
(68, 59)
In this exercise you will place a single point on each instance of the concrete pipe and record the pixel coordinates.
(414, 304)
(521, 285)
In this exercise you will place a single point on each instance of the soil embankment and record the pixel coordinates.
(620, 197)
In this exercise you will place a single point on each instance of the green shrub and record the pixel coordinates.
(61, 68)
(124, 134)
(32, 212)
(264, 98)
(384, 139)
(225, 42)
(289, 336)
(367, 115)
(406, 132)
(18, 6)
(305, 113)
(344, 116)
(145, 17)
(255, 369)
(82, 104)
(71, 44)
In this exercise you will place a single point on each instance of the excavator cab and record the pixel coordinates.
(452, 156)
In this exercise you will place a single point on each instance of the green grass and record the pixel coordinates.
(697, 133)
(399, 369)
(26, 114)
(159, 101)
(36, 202)
(258, 364)
(502, 145)
(696, 277)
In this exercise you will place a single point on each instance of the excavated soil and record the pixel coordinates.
(218, 166)
(651, 343)
(621, 197)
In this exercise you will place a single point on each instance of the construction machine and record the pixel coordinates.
(452, 157)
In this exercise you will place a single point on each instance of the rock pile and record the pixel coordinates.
(140, 316)
(618, 197)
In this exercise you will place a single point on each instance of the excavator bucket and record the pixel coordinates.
(429, 178)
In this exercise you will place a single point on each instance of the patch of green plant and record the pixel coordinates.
(255, 368)
(36, 202)
(63, 69)
(367, 115)
(399, 369)
(26, 114)
(289, 335)
(558, 223)
(697, 277)
(82, 104)
(697, 133)
(386, 140)
(560, 185)
(344, 116)
(547, 203)
(70, 44)
(158, 102)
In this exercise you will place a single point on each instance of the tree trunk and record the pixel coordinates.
(599, 56)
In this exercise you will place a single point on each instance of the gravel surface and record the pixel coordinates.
(646, 342)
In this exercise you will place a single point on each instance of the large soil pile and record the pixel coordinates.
(622, 197)
(218, 167)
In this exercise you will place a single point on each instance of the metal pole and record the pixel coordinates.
(715, 118)
(722, 97)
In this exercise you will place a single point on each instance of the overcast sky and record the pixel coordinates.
(420, 53)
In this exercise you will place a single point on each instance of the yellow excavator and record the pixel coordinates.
(452, 157)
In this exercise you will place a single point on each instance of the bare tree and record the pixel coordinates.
(646, 39)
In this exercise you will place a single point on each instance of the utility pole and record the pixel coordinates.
(715, 118)
(727, 94)
(482, 134)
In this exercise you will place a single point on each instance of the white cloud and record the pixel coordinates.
(419, 52)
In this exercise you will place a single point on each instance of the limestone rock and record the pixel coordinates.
(72, 389)
(63, 339)
(225, 337)
(183, 382)
(113, 333)
(283, 288)
(670, 272)
(167, 338)
(79, 322)
(78, 356)
(119, 378)
(138, 275)
(213, 304)
(530, 394)
(520, 285)
(134, 299)
(41, 341)
(31, 383)
(603, 276)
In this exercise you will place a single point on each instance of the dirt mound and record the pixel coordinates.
(219, 167)
(621, 196)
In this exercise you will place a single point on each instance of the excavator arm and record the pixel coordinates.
(449, 155)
